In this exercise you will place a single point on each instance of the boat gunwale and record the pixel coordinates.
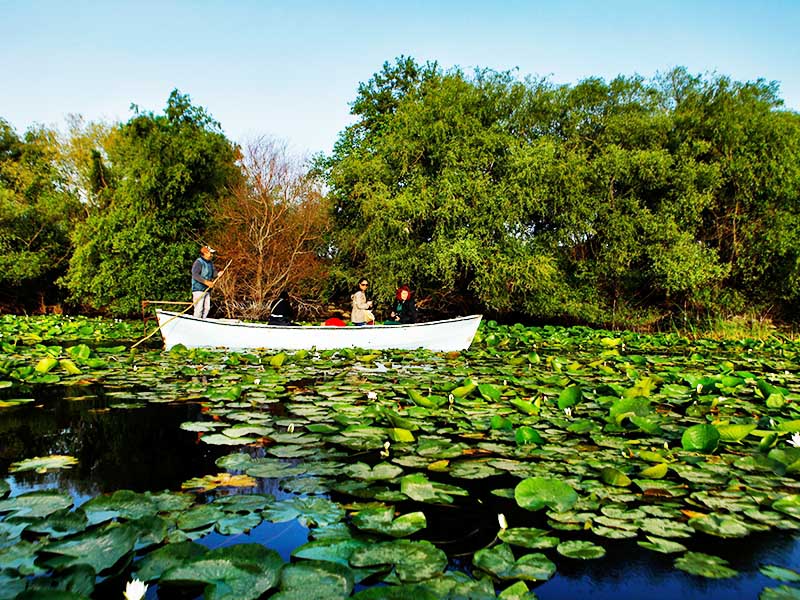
(171, 314)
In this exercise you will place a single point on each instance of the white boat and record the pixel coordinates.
(441, 336)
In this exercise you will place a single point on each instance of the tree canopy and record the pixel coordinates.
(600, 201)
(155, 193)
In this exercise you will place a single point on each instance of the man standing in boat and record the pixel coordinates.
(204, 276)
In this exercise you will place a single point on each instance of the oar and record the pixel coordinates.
(188, 308)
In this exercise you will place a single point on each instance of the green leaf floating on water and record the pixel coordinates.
(569, 397)
(780, 574)
(700, 438)
(525, 435)
(538, 492)
(705, 565)
(499, 562)
(412, 561)
(35, 505)
(42, 464)
(661, 545)
(729, 432)
(157, 562)
(380, 471)
(240, 572)
(310, 511)
(783, 592)
(382, 520)
(315, 580)
(100, 549)
(528, 537)
(724, 526)
(614, 477)
(581, 550)
(418, 487)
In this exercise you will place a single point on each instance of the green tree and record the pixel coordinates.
(161, 177)
(37, 211)
(601, 202)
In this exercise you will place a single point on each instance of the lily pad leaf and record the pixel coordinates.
(662, 545)
(418, 487)
(499, 561)
(569, 397)
(43, 464)
(615, 477)
(240, 572)
(724, 526)
(157, 562)
(536, 493)
(382, 520)
(734, 432)
(98, 549)
(700, 438)
(580, 549)
(705, 565)
(412, 561)
(780, 573)
(315, 580)
(528, 537)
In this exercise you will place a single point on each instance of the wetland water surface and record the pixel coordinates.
(382, 475)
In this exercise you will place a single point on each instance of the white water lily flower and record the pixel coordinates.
(501, 519)
(568, 412)
(385, 451)
(795, 441)
(256, 381)
(290, 428)
(135, 590)
(372, 395)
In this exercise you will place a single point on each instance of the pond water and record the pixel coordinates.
(320, 427)
(144, 449)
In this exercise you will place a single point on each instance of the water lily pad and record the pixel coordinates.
(499, 561)
(412, 561)
(705, 565)
(536, 493)
(310, 511)
(100, 549)
(700, 438)
(157, 562)
(528, 537)
(380, 471)
(240, 572)
(36, 504)
(210, 482)
(315, 580)
(662, 545)
(724, 526)
(780, 573)
(382, 520)
(418, 487)
(581, 550)
(43, 464)
(783, 592)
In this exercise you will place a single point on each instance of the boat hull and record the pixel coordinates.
(441, 336)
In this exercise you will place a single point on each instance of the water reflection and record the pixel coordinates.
(144, 449)
(117, 448)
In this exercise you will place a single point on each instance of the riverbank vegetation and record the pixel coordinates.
(638, 203)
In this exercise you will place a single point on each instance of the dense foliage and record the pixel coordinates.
(154, 196)
(603, 202)
(37, 211)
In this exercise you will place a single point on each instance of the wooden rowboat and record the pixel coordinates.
(441, 336)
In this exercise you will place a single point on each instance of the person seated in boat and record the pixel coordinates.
(405, 309)
(204, 276)
(281, 311)
(361, 313)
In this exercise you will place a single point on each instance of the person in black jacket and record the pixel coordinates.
(281, 312)
(405, 309)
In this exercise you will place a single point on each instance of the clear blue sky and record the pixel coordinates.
(290, 68)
